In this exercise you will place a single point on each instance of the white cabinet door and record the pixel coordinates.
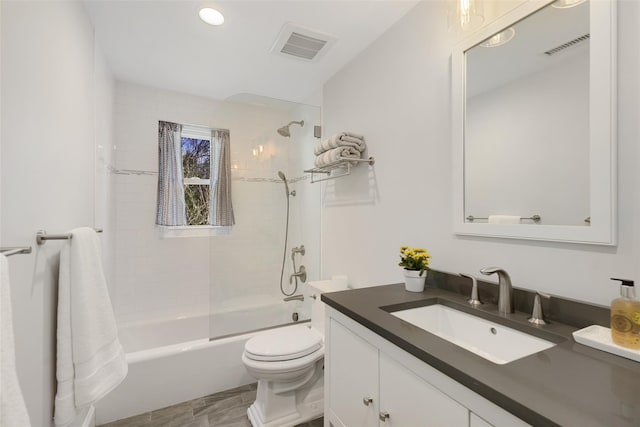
(412, 402)
(353, 378)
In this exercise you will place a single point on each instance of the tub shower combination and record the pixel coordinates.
(170, 361)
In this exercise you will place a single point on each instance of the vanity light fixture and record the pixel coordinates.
(566, 4)
(211, 16)
(500, 38)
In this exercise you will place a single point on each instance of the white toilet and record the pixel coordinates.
(288, 363)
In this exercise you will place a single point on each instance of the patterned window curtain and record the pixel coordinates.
(221, 212)
(171, 209)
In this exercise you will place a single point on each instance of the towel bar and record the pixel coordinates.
(343, 163)
(42, 236)
(16, 250)
(534, 218)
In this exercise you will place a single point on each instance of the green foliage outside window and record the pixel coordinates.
(197, 201)
(196, 163)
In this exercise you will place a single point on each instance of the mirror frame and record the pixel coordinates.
(602, 139)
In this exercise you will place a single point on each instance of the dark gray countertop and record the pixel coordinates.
(569, 384)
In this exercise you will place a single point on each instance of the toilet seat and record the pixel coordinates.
(283, 344)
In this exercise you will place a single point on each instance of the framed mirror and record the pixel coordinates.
(534, 124)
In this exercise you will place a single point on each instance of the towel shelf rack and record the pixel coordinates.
(15, 250)
(42, 236)
(534, 218)
(343, 164)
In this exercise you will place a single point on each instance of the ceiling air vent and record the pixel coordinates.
(567, 45)
(300, 42)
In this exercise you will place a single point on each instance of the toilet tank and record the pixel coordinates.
(317, 306)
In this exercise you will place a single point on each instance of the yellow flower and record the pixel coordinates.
(414, 258)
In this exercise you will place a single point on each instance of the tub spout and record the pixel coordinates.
(294, 297)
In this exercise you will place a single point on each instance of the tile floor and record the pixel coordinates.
(224, 409)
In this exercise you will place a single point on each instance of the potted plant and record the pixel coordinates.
(415, 262)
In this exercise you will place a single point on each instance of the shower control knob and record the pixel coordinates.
(384, 416)
(367, 401)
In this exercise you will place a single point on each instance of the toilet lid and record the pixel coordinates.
(283, 344)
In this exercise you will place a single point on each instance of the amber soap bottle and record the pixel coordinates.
(625, 316)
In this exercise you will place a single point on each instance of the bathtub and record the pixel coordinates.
(162, 374)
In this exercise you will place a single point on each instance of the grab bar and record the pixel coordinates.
(534, 218)
(16, 250)
(42, 236)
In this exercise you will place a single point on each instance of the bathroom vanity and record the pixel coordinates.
(381, 370)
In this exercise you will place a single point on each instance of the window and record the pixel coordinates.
(194, 180)
(196, 170)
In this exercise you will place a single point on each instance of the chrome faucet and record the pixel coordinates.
(505, 295)
(302, 274)
(294, 298)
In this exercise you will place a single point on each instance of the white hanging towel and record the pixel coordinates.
(90, 359)
(504, 219)
(13, 411)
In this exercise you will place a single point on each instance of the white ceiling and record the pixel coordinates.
(164, 43)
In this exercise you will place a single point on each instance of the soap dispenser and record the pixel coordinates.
(625, 316)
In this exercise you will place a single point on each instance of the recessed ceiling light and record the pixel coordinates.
(565, 4)
(211, 16)
(500, 38)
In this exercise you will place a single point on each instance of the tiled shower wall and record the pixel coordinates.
(159, 279)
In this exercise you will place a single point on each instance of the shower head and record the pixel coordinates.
(284, 179)
(284, 130)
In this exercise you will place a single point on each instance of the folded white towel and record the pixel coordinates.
(504, 219)
(336, 154)
(13, 412)
(90, 359)
(343, 139)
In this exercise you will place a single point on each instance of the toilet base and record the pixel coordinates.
(290, 408)
(303, 414)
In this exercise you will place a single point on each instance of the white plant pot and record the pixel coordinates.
(413, 282)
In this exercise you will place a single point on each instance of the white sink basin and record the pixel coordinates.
(494, 342)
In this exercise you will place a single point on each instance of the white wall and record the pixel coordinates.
(49, 109)
(397, 93)
(527, 146)
(158, 279)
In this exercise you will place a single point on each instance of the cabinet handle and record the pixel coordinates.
(384, 416)
(367, 401)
